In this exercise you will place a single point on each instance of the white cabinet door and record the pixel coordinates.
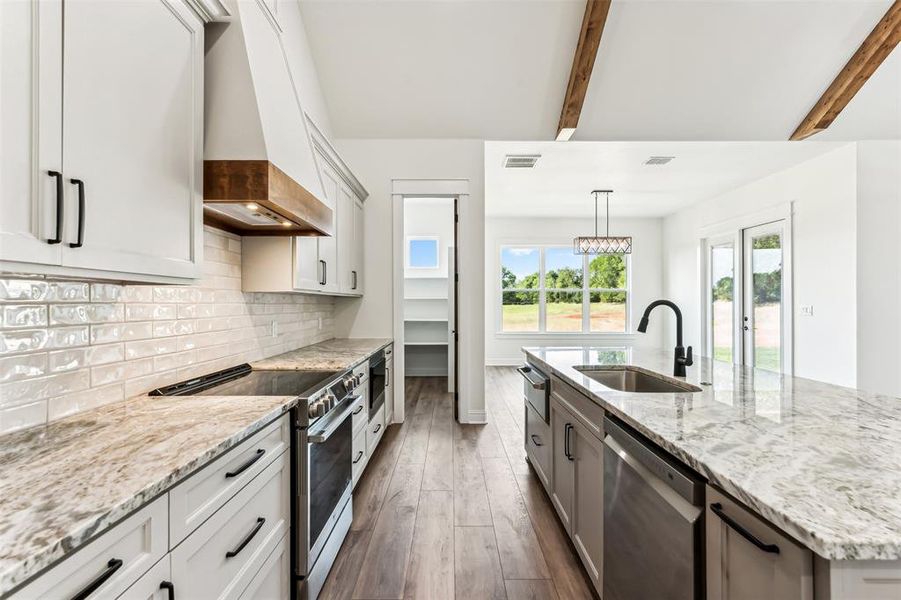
(562, 424)
(306, 264)
(345, 235)
(273, 581)
(358, 249)
(132, 133)
(328, 246)
(155, 584)
(31, 122)
(588, 501)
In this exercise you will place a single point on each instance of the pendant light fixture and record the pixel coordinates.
(602, 244)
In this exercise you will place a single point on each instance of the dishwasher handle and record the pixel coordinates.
(536, 385)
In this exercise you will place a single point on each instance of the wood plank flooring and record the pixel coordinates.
(446, 510)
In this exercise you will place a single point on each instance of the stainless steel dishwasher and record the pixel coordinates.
(653, 522)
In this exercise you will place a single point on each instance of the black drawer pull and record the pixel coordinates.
(376, 430)
(80, 242)
(536, 440)
(246, 540)
(717, 509)
(112, 566)
(354, 275)
(324, 277)
(170, 589)
(59, 207)
(359, 410)
(359, 456)
(567, 429)
(248, 464)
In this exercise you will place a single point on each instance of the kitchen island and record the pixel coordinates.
(819, 462)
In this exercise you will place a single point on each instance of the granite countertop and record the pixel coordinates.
(331, 355)
(821, 462)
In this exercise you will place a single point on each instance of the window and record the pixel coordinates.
(422, 252)
(551, 290)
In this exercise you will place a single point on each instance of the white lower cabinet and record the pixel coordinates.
(110, 564)
(359, 454)
(538, 445)
(748, 559)
(577, 485)
(273, 580)
(389, 385)
(155, 584)
(375, 430)
(230, 547)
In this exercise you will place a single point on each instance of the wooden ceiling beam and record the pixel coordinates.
(593, 22)
(878, 45)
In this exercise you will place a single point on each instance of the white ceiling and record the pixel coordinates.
(561, 182)
(666, 70)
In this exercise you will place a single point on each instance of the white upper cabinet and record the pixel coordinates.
(108, 95)
(356, 271)
(328, 246)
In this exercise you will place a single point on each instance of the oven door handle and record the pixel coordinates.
(326, 432)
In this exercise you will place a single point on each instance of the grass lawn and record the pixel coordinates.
(565, 317)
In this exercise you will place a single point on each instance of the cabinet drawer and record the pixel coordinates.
(194, 500)
(742, 560)
(587, 412)
(229, 548)
(374, 431)
(360, 414)
(273, 580)
(122, 555)
(538, 445)
(152, 586)
(359, 455)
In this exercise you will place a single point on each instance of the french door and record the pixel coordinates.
(748, 297)
(763, 303)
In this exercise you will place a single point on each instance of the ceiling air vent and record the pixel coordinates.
(659, 160)
(520, 161)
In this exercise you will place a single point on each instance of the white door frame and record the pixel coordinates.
(422, 188)
(734, 228)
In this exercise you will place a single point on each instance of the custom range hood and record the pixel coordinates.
(260, 175)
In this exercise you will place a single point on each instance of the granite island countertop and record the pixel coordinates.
(820, 461)
(331, 355)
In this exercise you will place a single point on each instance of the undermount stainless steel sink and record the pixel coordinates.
(629, 379)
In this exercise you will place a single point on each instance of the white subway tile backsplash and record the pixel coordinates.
(24, 315)
(69, 346)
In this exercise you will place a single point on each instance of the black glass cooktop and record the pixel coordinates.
(242, 381)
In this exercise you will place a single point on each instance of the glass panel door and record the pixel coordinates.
(763, 296)
(722, 301)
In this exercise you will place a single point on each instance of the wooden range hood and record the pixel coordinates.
(254, 197)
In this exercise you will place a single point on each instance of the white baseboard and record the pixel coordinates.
(474, 417)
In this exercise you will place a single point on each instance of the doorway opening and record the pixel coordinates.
(427, 290)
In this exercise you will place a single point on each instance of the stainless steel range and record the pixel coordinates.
(321, 455)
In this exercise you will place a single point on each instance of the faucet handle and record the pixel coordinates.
(688, 357)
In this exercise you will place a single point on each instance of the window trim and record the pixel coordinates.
(585, 290)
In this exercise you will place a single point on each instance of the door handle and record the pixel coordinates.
(59, 207)
(169, 587)
(256, 529)
(717, 509)
(353, 274)
(567, 429)
(80, 184)
(359, 456)
(536, 440)
(112, 566)
(324, 272)
(259, 454)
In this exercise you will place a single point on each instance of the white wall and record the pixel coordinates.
(376, 163)
(646, 284)
(823, 192)
(879, 266)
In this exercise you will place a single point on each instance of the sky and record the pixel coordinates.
(424, 253)
(524, 261)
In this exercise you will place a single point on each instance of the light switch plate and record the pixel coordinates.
(807, 310)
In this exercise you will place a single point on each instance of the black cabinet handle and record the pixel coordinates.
(353, 275)
(324, 278)
(112, 566)
(387, 375)
(717, 509)
(536, 440)
(246, 540)
(359, 410)
(59, 207)
(80, 242)
(359, 456)
(170, 589)
(248, 464)
(567, 429)
(376, 430)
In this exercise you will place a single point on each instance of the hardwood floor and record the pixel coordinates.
(446, 510)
